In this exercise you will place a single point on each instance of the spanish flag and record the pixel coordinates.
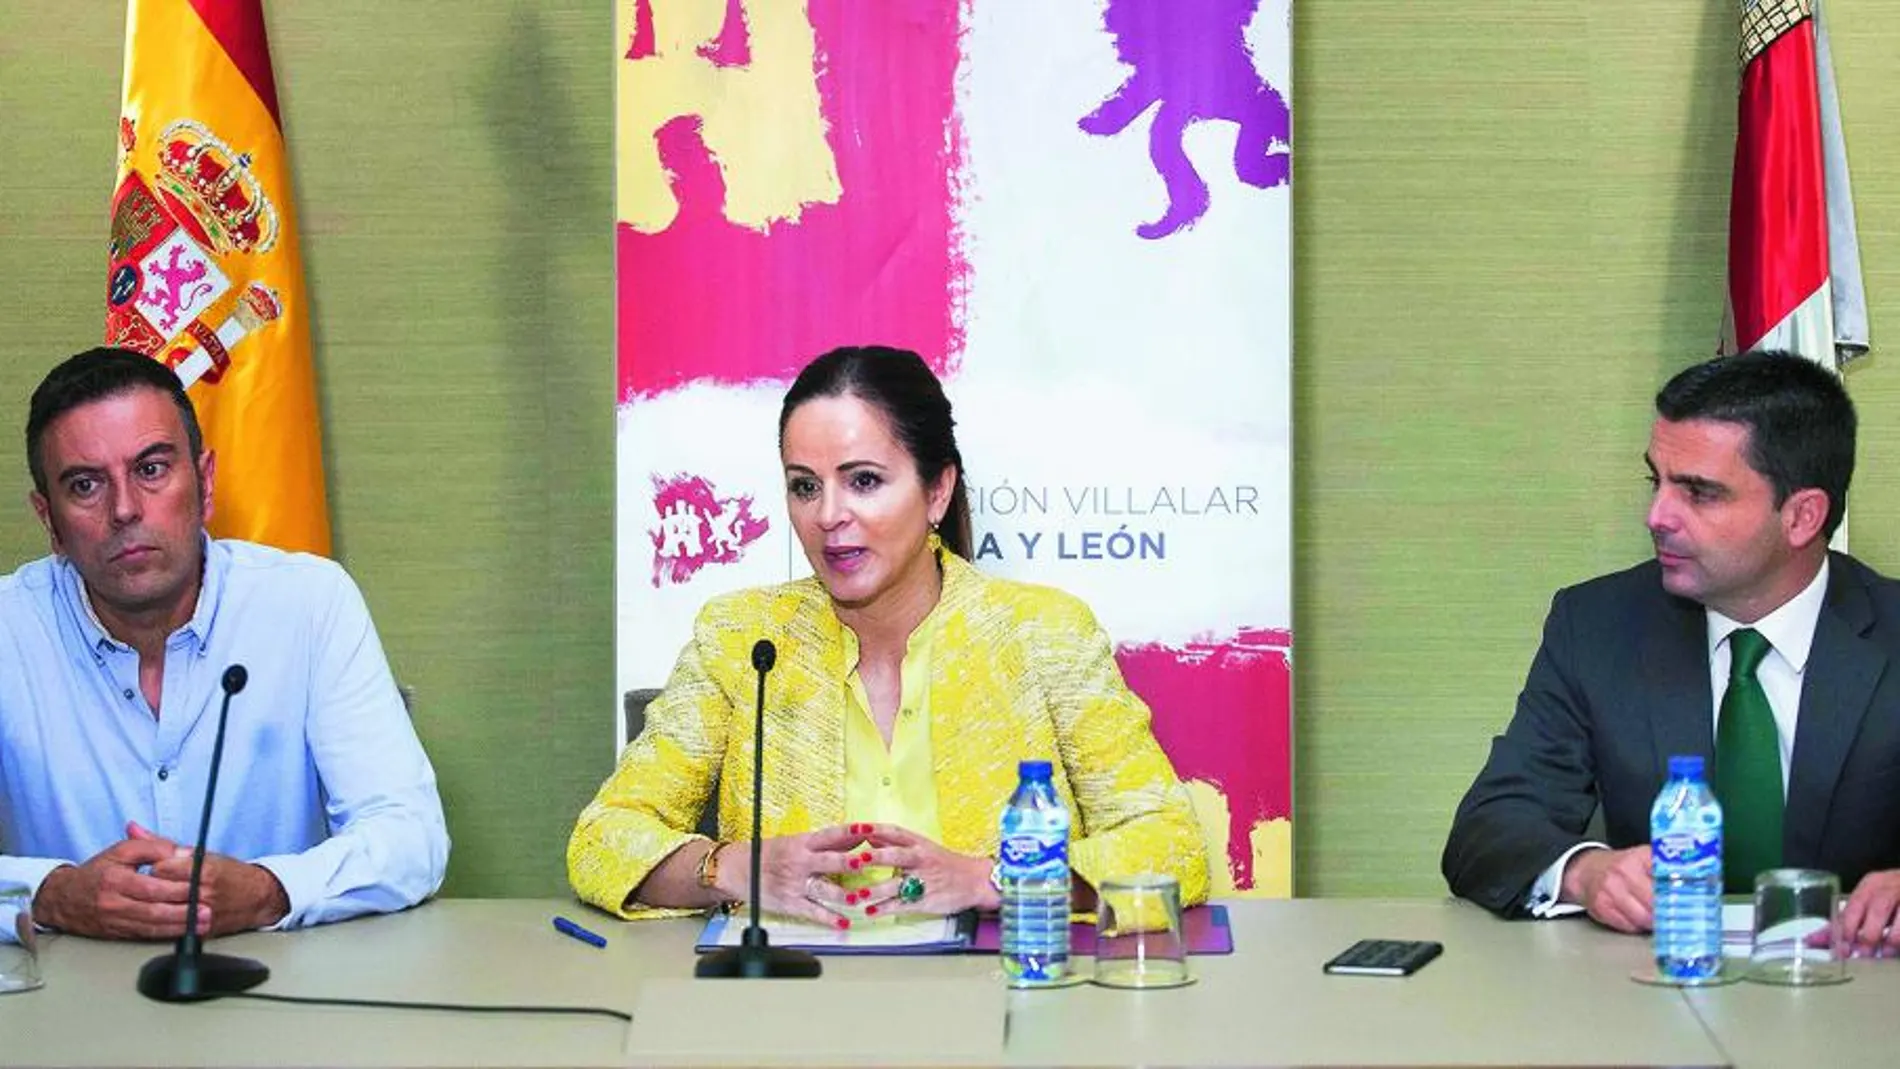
(203, 271)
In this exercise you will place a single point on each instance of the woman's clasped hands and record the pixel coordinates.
(836, 875)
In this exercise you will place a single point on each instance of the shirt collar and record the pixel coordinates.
(1789, 629)
(198, 628)
(73, 588)
(919, 640)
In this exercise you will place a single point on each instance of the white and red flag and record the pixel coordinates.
(1794, 280)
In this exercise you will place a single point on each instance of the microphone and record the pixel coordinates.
(188, 974)
(755, 958)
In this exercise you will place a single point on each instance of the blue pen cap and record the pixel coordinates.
(1685, 766)
(1036, 770)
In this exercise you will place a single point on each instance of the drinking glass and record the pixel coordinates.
(1793, 941)
(1138, 937)
(19, 942)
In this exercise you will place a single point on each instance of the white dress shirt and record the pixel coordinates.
(1790, 634)
(324, 782)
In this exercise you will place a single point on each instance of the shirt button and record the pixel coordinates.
(887, 781)
(907, 712)
(128, 694)
(164, 773)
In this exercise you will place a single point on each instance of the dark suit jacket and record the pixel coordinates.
(1622, 682)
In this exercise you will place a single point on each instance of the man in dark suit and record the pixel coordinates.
(1744, 641)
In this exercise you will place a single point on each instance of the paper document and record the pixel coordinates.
(1738, 929)
(1738, 923)
(896, 935)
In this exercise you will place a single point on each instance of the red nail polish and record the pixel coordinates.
(843, 924)
(851, 899)
(855, 863)
(870, 911)
(866, 856)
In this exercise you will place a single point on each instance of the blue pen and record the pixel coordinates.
(569, 928)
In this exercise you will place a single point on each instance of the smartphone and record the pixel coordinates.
(1384, 957)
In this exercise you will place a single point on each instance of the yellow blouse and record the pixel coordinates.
(894, 784)
(1015, 672)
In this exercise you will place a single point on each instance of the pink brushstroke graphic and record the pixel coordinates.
(1223, 712)
(643, 44)
(733, 46)
(698, 528)
(710, 301)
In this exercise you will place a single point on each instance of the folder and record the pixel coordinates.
(1205, 929)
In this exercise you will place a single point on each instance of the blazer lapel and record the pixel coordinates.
(969, 712)
(1682, 718)
(804, 725)
(966, 757)
(1843, 670)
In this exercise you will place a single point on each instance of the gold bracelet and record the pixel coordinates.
(708, 871)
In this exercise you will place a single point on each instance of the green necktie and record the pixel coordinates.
(1747, 768)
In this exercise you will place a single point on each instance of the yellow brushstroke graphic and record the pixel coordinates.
(1271, 842)
(760, 122)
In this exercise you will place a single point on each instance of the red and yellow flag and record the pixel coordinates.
(204, 272)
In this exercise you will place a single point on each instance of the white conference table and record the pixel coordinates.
(1550, 993)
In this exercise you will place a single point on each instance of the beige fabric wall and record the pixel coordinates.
(1509, 230)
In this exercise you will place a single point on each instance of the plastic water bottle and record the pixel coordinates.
(1685, 845)
(1035, 880)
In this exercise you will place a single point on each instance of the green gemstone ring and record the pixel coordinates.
(911, 890)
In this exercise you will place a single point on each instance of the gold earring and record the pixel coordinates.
(934, 541)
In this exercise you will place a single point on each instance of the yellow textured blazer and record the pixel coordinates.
(1018, 672)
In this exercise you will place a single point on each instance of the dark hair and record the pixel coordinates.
(899, 384)
(1799, 419)
(95, 375)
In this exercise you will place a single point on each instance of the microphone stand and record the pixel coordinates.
(755, 958)
(188, 974)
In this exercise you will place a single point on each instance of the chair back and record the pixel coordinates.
(634, 718)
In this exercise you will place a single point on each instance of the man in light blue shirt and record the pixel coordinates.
(111, 655)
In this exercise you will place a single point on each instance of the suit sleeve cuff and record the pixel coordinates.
(1543, 901)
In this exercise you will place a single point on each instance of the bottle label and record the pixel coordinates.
(1686, 847)
(1032, 852)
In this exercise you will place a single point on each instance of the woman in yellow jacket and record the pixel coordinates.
(907, 687)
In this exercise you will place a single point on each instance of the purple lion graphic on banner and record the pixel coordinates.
(1191, 58)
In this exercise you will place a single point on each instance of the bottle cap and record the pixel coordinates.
(1040, 770)
(1687, 766)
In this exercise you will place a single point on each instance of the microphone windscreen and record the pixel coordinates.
(235, 678)
(764, 655)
